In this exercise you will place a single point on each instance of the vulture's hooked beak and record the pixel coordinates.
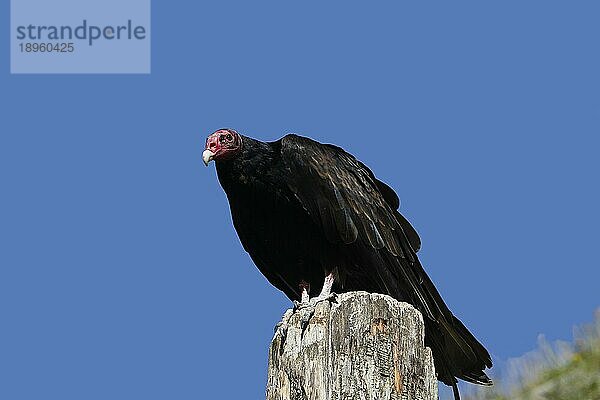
(207, 156)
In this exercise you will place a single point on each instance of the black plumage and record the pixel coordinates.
(303, 209)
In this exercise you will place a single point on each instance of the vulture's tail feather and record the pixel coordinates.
(467, 357)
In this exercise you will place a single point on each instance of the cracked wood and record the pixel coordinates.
(365, 346)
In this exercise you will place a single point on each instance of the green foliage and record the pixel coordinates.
(552, 372)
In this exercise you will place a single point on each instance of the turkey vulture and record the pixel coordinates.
(311, 215)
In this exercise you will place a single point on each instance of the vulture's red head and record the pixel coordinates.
(222, 145)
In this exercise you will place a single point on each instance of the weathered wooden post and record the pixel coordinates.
(365, 346)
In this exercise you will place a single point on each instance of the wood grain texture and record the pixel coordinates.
(365, 346)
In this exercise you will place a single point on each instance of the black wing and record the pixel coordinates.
(354, 209)
(342, 196)
(391, 198)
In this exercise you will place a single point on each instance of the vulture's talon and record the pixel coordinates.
(300, 305)
(331, 297)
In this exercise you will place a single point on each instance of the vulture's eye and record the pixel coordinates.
(222, 138)
(229, 137)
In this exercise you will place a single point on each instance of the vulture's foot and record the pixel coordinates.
(326, 294)
(313, 301)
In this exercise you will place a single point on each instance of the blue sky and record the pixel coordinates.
(121, 275)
